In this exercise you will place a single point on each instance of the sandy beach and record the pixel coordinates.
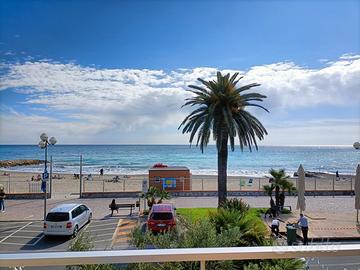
(19, 182)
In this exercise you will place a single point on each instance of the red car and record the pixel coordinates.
(162, 217)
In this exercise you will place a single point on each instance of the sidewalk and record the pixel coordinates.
(20, 210)
(323, 226)
(329, 218)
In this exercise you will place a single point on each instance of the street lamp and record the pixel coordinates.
(43, 144)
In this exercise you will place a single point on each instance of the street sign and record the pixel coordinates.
(45, 176)
(43, 186)
(144, 186)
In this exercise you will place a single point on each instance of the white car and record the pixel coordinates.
(67, 219)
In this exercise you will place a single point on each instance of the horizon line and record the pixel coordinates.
(191, 145)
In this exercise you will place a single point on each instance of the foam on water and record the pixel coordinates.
(136, 159)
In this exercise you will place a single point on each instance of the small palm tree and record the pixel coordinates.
(154, 193)
(221, 110)
(279, 183)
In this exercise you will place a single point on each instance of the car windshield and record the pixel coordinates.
(161, 216)
(57, 217)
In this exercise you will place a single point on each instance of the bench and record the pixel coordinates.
(126, 205)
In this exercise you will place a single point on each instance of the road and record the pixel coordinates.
(27, 236)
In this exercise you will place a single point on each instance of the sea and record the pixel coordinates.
(137, 159)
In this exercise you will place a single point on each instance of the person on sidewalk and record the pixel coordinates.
(2, 199)
(304, 224)
(113, 207)
(275, 224)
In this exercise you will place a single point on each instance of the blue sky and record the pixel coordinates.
(92, 69)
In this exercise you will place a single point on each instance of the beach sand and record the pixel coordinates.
(20, 182)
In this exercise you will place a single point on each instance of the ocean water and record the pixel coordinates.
(136, 159)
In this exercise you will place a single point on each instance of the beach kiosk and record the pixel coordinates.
(166, 177)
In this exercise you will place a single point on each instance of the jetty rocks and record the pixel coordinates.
(20, 162)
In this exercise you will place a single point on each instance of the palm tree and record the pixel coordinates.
(280, 183)
(220, 110)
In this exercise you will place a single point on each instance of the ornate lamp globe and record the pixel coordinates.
(52, 140)
(42, 144)
(44, 137)
(356, 145)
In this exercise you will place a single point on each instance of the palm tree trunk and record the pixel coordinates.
(277, 197)
(222, 169)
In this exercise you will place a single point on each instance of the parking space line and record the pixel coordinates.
(104, 240)
(10, 228)
(12, 222)
(15, 232)
(37, 241)
(101, 235)
(17, 244)
(97, 230)
(103, 225)
(27, 237)
(31, 231)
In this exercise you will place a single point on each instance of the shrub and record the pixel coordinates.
(224, 219)
(235, 204)
(84, 242)
(154, 193)
(291, 264)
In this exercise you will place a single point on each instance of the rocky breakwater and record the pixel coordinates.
(20, 162)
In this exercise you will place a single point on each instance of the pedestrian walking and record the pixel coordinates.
(304, 224)
(101, 171)
(2, 199)
(337, 176)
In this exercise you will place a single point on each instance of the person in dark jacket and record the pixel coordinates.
(2, 199)
(113, 207)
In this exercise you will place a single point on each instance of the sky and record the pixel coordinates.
(116, 72)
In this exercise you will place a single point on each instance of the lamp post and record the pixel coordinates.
(43, 144)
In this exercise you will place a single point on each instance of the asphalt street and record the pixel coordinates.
(23, 236)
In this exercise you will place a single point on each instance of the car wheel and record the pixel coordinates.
(90, 217)
(76, 230)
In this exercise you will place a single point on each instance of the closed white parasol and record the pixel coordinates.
(357, 192)
(301, 189)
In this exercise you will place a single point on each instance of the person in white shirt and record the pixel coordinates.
(303, 222)
(275, 226)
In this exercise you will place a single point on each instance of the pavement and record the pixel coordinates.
(322, 226)
(27, 236)
(21, 226)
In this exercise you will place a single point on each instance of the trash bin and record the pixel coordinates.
(291, 234)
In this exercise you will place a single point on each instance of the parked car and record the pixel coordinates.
(67, 219)
(162, 217)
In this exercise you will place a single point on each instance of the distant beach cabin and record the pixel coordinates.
(170, 178)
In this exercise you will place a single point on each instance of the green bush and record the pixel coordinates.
(84, 242)
(235, 204)
(282, 264)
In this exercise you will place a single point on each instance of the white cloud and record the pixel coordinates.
(98, 100)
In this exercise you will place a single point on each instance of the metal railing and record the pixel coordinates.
(176, 255)
(197, 183)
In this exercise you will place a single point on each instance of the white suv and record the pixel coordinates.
(67, 219)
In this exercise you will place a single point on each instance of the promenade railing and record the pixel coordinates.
(108, 183)
(202, 255)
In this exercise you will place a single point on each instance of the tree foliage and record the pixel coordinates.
(220, 111)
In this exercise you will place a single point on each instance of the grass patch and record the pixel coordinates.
(193, 214)
(255, 215)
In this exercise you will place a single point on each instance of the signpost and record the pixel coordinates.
(43, 144)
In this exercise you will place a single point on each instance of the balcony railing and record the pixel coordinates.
(176, 255)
